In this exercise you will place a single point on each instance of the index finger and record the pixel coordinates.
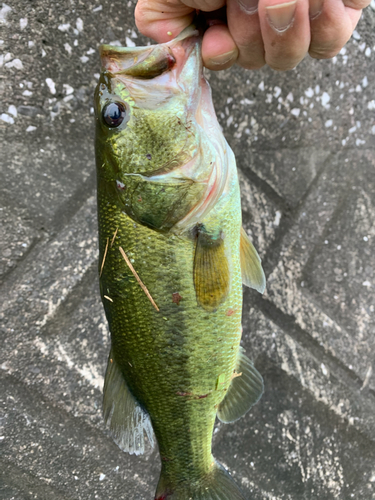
(163, 21)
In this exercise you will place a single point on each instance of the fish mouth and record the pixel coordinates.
(150, 61)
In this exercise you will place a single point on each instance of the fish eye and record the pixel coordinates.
(114, 114)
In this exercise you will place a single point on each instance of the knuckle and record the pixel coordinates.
(141, 15)
(329, 39)
(285, 67)
(357, 4)
(321, 53)
(284, 63)
(320, 49)
(138, 15)
(328, 43)
(251, 56)
(254, 65)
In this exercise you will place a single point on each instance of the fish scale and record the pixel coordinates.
(175, 328)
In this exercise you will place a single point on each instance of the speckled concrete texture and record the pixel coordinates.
(305, 146)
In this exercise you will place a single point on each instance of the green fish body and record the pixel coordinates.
(173, 258)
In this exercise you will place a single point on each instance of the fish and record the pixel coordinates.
(172, 260)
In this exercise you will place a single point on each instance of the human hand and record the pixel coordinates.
(253, 33)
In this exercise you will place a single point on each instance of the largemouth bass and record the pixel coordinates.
(173, 257)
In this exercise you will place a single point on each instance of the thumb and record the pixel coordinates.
(162, 20)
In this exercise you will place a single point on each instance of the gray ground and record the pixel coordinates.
(305, 146)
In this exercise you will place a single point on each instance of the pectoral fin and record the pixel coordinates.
(211, 270)
(251, 267)
(244, 391)
(123, 415)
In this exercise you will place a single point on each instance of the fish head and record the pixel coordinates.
(142, 103)
(154, 118)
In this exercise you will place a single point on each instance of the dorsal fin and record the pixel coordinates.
(251, 267)
(211, 270)
(244, 391)
(123, 416)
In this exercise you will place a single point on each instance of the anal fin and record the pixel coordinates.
(211, 270)
(123, 415)
(251, 267)
(244, 391)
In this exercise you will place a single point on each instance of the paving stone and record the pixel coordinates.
(62, 450)
(289, 446)
(49, 179)
(304, 240)
(24, 486)
(340, 275)
(279, 170)
(268, 333)
(52, 271)
(261, 217)
(17, 238)
(66, 359)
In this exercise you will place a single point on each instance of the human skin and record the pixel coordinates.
(253, 33)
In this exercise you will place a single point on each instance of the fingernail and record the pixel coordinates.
(315, 8)
(281, 16)
(223, 58)
(248, 6)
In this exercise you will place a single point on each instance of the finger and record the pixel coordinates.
(204, 5)
(286, 32)
(218, 48)
(357, 4)
(355, 16)
(243, 24)
(331, 28)
(162, 20)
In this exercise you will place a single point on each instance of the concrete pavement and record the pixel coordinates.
(305, 146)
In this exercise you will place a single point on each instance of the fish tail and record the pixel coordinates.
(217, 485)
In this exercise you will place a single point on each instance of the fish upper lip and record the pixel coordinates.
(125, 60)
(188, 32)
